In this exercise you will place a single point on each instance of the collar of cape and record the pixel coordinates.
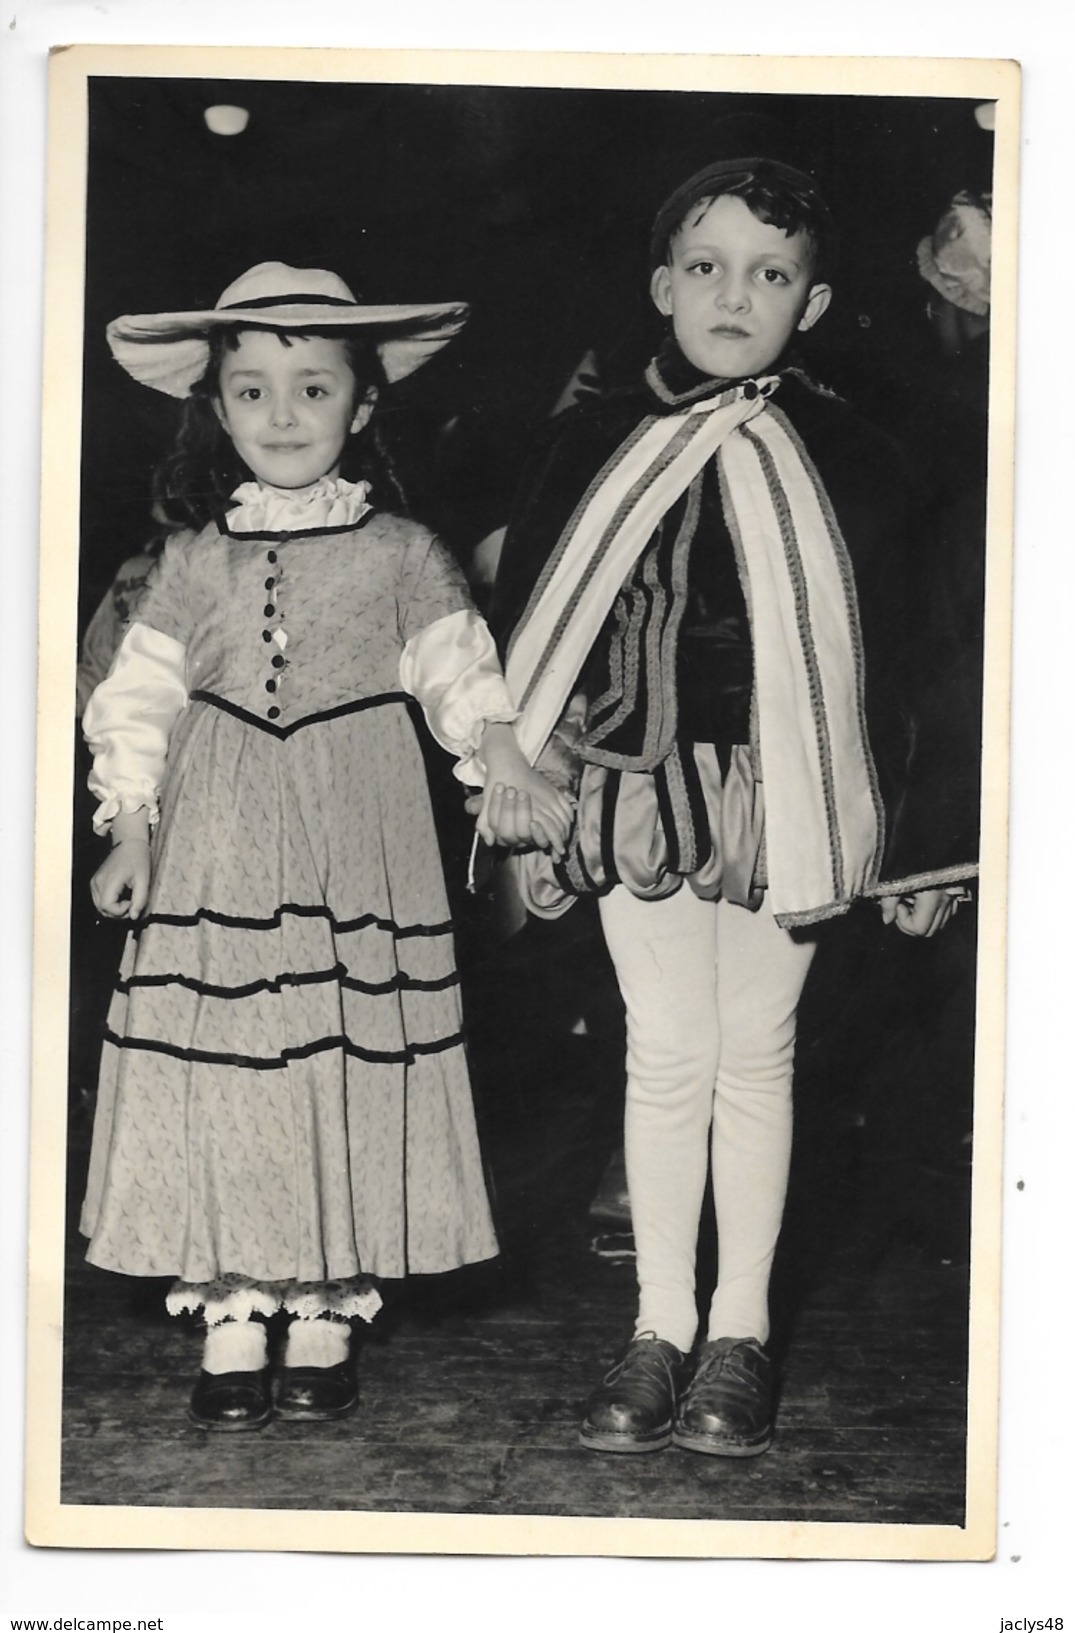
(824, 819)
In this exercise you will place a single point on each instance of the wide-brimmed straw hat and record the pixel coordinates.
(956, 257)
(169, 350)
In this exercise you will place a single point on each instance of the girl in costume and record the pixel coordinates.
(284, 1112)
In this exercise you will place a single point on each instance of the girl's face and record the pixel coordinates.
(289, 406)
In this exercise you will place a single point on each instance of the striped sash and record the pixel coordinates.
(824, 820)
(610, 527)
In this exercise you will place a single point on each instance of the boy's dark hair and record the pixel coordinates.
(774, 192)
(193, 483)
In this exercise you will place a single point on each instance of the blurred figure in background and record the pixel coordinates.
(909, 1065)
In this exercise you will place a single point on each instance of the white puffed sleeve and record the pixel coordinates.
(129, 720)
(452, 669)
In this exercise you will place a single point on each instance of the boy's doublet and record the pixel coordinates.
(865, 481)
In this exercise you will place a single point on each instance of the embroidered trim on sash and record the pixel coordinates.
(824, 819)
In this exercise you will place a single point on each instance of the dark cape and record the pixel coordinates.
(927, 758)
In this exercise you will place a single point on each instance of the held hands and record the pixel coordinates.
(517, 806)
(120, 886)
(528, 813)
(922, 912)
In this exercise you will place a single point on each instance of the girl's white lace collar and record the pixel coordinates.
(330, 502)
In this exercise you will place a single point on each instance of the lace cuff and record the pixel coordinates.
(332, 1300)
(145, 799)
(233, 1297)
(451, 667)
(129, 720)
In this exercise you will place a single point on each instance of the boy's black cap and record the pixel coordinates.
(712, 179)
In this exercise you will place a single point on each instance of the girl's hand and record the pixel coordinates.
(921, 913)
(518, 806)
(121, 884)
(528, 811)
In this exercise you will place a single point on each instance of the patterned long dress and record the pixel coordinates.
(284, 1092)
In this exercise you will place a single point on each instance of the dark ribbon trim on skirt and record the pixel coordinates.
(259, 1063)
(350, 983)
(235, 921)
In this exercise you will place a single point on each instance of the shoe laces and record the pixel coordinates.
(646, 1353)
(728, 1357)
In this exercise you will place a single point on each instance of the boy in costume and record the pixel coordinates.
(705, 606)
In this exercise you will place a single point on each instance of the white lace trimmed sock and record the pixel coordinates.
(235, 1346)
(317, 1343)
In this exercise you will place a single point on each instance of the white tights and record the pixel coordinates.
(711, 992)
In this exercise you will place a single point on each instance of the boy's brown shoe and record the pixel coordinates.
(728, 1409)
(634, 1408)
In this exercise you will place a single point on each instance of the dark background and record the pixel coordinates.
(531, 204)
(534, 205)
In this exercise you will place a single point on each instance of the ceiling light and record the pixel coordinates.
(225, 120)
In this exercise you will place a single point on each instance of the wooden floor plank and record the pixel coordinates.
(471, 1388)
(476, 1412)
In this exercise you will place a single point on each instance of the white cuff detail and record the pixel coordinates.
(129, 719)
(451, 667)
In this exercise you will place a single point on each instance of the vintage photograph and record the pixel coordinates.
(525, 615)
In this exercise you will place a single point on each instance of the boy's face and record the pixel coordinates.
(737, 289)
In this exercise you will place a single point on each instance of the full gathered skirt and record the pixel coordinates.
(284, 1092)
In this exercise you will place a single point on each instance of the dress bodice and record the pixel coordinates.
(287, 625)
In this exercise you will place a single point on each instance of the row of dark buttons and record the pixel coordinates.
(266, 635)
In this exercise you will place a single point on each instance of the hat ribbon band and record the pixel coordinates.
(286, 300)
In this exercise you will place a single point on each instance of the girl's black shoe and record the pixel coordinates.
(316, 1394)
(231, 1401)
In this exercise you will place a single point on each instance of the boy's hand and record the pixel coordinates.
(528, 811)
(120, 886)
(518, 806)
(921, 913)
